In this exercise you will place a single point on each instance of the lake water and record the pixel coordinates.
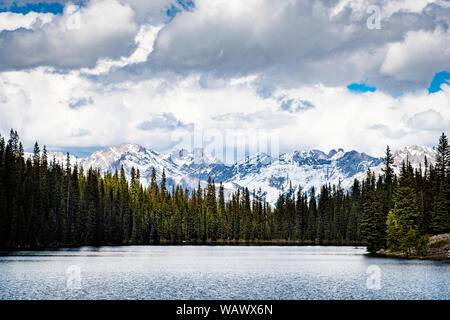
(218, 272)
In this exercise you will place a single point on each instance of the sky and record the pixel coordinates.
(293, 74)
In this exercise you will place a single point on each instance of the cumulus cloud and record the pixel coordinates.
(12, 21)
(144, 40)
(429, 120)
(165, 121)
(387, 8)
(386, 131)
(419, 56)
(295, 43)
(287, 43)
(295, 105)
(262, 119)
(133, 73)
(81, 102)
(78, 38)
(145, 114)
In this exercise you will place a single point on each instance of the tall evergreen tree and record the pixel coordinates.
(443, 157)
(402, 226)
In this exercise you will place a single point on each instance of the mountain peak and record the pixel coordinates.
(311, 168)
(128, 147)
(199, 156)
(415, 154)
(334, 155)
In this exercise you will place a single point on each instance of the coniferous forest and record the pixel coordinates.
(44, 203)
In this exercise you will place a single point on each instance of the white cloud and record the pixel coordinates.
(419, 56)
(37, 104)
(145, 40)
(152, 12)
(387, 7)
(12, 21)
(227, 66)
(294, 43)
(105, 29)
(287, 43)
(428, 120)
(367, 122)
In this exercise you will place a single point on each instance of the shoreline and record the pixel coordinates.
(399, 255)
(199, 243)
(438, 246)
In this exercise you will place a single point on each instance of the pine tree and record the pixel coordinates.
(2, 194)
(221, 214)
(388, 176)
(247, 218)
(369, 215)
(301, 215)
(443, 157)
(440, 222)
(402, 224)
(312, 216)
(355, 208)
(69, 199)
(163, 186)
(388, 170)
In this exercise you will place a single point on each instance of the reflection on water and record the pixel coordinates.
(218, 272)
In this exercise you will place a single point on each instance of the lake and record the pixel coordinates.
(218, 272)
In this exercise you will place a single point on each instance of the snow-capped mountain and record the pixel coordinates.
(259, 171)
(413, 154)
(300, 168)
(132, 155)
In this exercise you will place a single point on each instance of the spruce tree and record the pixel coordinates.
(312, 216)
(440, 220)
(370, 215)
(354, 214)
(402, 222)
(221, 214)
(443, 157)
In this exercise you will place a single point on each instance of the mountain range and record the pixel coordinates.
(267, 175)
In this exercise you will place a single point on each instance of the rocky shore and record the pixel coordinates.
(438, 247)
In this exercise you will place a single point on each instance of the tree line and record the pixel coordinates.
(383, 212)
(44, 203)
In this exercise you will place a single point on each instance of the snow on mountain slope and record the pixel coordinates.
(183, 158)
(259, 171)
(58, 157)
(133, 155)
(414, 154)
(306, 169)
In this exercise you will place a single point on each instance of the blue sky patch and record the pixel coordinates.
(438, 79)
(42, 7)
(360, 87)
(179, 6)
